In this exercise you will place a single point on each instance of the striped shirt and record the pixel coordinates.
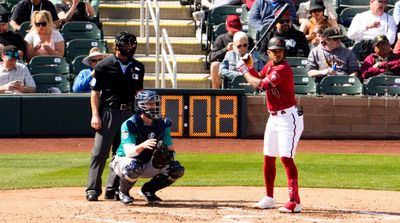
(20, 72)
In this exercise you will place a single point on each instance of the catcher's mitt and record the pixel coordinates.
(161, 155)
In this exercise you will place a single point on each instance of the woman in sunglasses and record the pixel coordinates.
(43, 39)
(317, 19)
(82, 81)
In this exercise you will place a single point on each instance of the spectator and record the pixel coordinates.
(82, 81)
(222, 45)
(296, 42)
(74, 10)
(262, 12)
(14, 77)
(24, 9)
(331, 58)
(369, 24)
(396, 12)
(43, 39)
(303, 13)
(227, 67)
(8, 37)
(382, 61)
(319, 30)
(317, 8)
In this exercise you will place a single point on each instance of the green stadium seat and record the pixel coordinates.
(297, 61)
(241, 83)
(337, 85)
(304, 85)
(218, 30)
(77, 65)
(47, 80)
(9, 4)
(353, 3)
(382, 84)
(48, 64)
(79, 47)
(80, 30)
(24, 29)
(390, 12)
(300, 71)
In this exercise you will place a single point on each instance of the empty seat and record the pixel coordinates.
(78, 47)
(297, 61)
(46, 81)
(77, 65)
(48, 64)
(304, 85)
(80, 30)
(337, 85)
(24, 28)
(241, 83)
(382, 84)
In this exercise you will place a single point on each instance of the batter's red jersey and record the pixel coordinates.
(281, 76)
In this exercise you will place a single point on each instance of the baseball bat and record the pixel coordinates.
(271, 26)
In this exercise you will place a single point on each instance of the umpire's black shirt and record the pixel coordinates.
(115, 86)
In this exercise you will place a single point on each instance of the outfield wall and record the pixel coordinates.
(327, 117)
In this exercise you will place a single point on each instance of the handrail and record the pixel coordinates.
(155, 17)
(165, 60)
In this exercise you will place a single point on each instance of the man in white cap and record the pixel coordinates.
(82, 81)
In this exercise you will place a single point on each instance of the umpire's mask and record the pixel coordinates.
(126, 44)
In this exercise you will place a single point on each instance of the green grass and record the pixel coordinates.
(376, 172)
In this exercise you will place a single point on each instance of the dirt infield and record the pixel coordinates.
(200, 204)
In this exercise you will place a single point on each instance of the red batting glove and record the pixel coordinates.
(241, 66)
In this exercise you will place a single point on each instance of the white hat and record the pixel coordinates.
(93, 54)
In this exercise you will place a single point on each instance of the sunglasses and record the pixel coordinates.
(243, 45)
(12, 55)
(317, 10)
(95, 60)
(283, 21)
(44, 24)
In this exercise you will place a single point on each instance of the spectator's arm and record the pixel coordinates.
(82, 81)
(90, 11)
(95, 4)
(391, 32)
(396, 12)
(254, 16)
(15, 25)
(67, 16)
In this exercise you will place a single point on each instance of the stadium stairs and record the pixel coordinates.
(119, 16)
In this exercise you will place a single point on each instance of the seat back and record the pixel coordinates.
(304, 85)
(347, 15)
(353, 3)
(77, 65)
(336, 85)
(48, 80)
(24, 29)
(218, 30)
(49, 64)
(79, 47)
(390, 12)
(300, 71)
(241, 83)
(80, 30)
(297, 61)
(382, 84)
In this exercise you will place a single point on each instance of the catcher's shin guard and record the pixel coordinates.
(124, 187)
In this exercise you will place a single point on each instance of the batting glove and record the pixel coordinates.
(241, 66)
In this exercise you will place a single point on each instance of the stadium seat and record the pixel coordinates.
(297, 61)
(218, 30)
(353, 3)
(9, 4)
(241, 82)
(24, 29)
(347, 15)
(80, 30)
(337, 85)
(77, 65)
(390, 12)
(49, 64)
(79, 47)
(304, 85)
(48, 80)
(300, 71)
(382, 84)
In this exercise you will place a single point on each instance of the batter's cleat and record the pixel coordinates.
(92, 197)
(125, 199)
(151, 198)
(265, 203)
(290, 207)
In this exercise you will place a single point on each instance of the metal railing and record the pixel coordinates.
(154, 10)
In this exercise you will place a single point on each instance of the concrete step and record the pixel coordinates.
(179, 28)
(201, 81)
(131, 10)
(187, 45)
(186, 63)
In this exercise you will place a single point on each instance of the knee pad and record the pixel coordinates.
(133, 170)
(175, 170)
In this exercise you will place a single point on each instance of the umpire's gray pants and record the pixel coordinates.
(109, 134)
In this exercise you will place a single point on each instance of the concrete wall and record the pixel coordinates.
(338, 117)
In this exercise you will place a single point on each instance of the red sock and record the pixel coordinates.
(292, 177)
(269, 174)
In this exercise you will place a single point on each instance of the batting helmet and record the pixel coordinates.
(149, 103)
(276, 43)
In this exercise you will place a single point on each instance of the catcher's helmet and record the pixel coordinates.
(276, 43)
(126, 43)
(149, 103)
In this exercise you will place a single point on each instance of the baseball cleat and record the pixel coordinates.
(151, 198)
(265, 203)
(290, 207)
(92, 197)
(125, 199)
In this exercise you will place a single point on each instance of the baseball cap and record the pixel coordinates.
(4, 16)
(276, 43)
(316, 4)
(233, 23)
(380, 38)
(11, 51)
(332, 33)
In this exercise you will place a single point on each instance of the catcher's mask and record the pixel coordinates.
(149, 103)
(126, 44)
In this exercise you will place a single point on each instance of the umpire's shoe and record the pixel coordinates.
(92, 196)
(125, 198)
(150, 197)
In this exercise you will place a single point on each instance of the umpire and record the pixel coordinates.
(116, 81)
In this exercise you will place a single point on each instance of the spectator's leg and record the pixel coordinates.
(215, 77)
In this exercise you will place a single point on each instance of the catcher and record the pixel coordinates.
(146, 151)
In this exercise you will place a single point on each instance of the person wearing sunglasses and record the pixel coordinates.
(308, 27)
(8, 37)
(303, 12)
(227, 68)
(43, 39)
(82, 81)
(74, 10)
(296, 42)
(14, 77)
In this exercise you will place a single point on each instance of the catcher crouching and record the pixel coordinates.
(146, 151)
